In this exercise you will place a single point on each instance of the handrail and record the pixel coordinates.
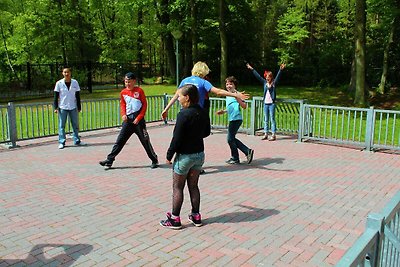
(379, 245)
(371, 129)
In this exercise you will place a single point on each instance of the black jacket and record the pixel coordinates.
(192, 125)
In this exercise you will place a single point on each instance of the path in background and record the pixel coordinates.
(297, 204)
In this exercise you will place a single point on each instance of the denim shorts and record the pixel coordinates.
(183, 163)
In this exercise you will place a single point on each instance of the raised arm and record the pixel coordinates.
(278, 75)
(255, 73)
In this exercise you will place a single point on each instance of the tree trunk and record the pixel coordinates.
(6, 50)
(381, 88)
(63, 45)
(139, 44)
(193, 12)
(224, 41)
(164, 19)
(78, 19)
(360, 25)
(352, 84)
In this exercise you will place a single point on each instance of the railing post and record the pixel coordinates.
(301, 122)
(253, 117)
(165, 103)
(375, 221)
(12, 124)
(369, 138)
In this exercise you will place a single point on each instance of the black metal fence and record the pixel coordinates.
(39, 79)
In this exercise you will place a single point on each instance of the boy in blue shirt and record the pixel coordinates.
(235, 118)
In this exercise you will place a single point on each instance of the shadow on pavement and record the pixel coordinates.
(51, 254)
(251, 214)
(260, 163)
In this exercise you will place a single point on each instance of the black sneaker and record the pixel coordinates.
(250, 156)
(232, 161)
(154, 165)
(171, 223)
(106, 163)
(195, 218)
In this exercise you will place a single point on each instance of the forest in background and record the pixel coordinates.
(353, 44)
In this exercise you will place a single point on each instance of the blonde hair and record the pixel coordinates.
(200, 69)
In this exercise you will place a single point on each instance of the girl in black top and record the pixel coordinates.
(192, 125)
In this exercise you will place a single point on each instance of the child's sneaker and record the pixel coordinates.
(106, 163)
(171, 223)
(232, 161)
(250, 156)
(195, 218)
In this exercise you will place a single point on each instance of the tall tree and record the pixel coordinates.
(9, 63)
(224, 41)
(383, 18)
(139, 42)
(194, 29)
(385, 63)
(162, 7)
(360, 50)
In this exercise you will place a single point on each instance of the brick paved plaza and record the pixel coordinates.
(297, 204)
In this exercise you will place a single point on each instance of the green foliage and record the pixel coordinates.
(314, 37)
(292, 31)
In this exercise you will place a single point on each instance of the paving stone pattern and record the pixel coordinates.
(297, 204)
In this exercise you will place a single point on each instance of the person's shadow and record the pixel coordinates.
(60, 255)
(248, 215)
(260, 163)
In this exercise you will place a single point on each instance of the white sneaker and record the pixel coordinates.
(61, 146)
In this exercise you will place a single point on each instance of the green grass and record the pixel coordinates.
(321, 96)
(97, 114)
(331, 96)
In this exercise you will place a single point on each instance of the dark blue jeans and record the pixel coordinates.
(235, 143)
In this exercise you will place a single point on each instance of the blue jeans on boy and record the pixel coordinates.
(62, 120)
(269, 114)
(234, 143)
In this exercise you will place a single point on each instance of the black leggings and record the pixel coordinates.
(177, 191)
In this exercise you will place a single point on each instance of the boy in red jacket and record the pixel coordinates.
(133, 108)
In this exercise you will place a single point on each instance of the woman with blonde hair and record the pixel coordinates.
(199, 72)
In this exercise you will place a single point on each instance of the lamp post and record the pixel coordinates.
(177, 34)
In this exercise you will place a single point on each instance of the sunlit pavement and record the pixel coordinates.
(296, 204)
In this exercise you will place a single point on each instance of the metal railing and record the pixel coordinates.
(27, 121)
(367, 128)
(379, 245)
(370, 128)
(287, 114)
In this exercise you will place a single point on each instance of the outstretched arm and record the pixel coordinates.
(238, 95)
(220, 112)
(164, 113)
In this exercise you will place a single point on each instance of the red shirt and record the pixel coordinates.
(132, 101)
